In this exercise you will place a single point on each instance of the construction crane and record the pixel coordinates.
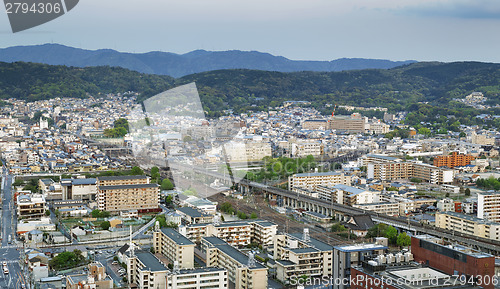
(333, 112)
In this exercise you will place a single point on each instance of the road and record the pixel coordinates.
(10, 252)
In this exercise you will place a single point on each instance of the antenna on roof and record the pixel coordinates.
(216, 221)
(306, 237)
(251, 260)
(131, 244)
(176, 269)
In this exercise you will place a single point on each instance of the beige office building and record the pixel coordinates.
(310, 181)
(237, 233)
(354, 123)
(145, 271)
(387, 169)
(175, 247)
(248, 151)
(303, 148)
(468, 225)
(298, 254)
(124, 193)
(243, 272)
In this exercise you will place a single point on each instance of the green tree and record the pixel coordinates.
(424, 131)
(391, 233)
(403, 240)
(253, 215)
(121, 123)
(47, 213)
(155, 173)
(67, 260)
(169, 199)
(99, 214)
(467, 192)
(17, 183)
(337, 227)
(137, 171)
(241, 215)
(166, 185)
(162, 220)
(105, 225)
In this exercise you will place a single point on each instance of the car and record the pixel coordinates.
(122, 270)
(114, 262)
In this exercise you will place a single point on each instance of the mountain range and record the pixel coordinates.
(178, 65)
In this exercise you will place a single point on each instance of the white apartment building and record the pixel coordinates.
(30, 206)
(387, 208)
(304, 148)
(79, 189)
(451, 189)
(488, 206)
(378, 128)
(243, 271)
(310, 181)
(346, 195)
(468, 225)
(248, 151)
(299, 254)
(446, 205)
(237, 233)
(145, 271)
(199, 278)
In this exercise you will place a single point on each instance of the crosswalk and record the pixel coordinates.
(9, 247)
(11, 261)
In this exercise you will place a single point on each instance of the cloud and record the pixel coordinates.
(462, 9)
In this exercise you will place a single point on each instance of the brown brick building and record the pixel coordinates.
(454, 260)
(124, 193)
(453, 160)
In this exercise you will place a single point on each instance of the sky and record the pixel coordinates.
(423, 30)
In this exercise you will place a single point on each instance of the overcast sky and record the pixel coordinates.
(424, 30)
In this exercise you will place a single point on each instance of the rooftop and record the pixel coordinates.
(349, 189)
(193, 213)
(360, 247)
(313, 242)
(237, 255)
(150, 262)
(114, 178)
(135, 186)
(469, 218)
(175, 236)
(317, 174)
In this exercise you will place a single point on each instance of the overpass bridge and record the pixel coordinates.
(343, 212)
